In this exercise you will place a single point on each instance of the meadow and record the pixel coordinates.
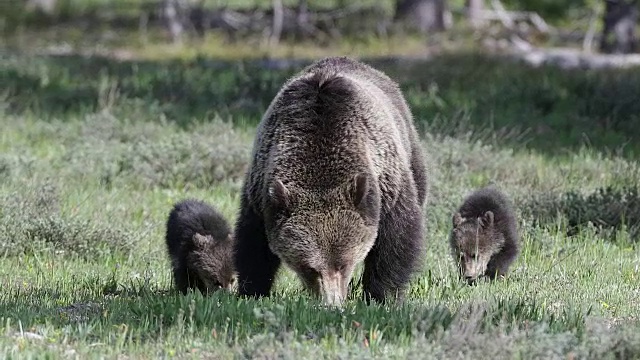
(94, 152)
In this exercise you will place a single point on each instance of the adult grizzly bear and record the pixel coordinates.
(337, 177)
(484, 240)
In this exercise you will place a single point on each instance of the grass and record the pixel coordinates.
(545, 109)
(93, 153)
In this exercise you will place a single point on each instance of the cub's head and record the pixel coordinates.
(473, 242)
(323, 236)
(212, 260)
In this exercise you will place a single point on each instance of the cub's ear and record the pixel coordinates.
(358, 188)
(487, 219)
(457, 219)
(202, 240)
(279, 195)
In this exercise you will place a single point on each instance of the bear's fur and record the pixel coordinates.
(484, 240)
(200, 247)
(337, 177)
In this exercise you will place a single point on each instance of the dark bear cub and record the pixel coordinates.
(484, 240)
(200, 246)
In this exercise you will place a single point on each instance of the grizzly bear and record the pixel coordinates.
(200, 247)
(337, 177)
(484, 240)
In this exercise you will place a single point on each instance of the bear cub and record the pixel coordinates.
(484, 240)
(200, 246)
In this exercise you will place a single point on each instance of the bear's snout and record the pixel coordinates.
(333, 287)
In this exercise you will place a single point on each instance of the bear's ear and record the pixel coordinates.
(202, 240)
(279, 195)
(487, 219)
(457, 219)
(358, 189)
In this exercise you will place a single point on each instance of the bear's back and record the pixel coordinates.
(339, 116)
(192, 216)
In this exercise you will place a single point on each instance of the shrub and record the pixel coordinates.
(607, 209)
(31, 221)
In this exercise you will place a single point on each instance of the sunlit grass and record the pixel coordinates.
(123, 165)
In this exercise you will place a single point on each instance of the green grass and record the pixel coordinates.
(545, 109)
(93, 153)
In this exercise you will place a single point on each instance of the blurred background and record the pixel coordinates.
(545, 74)
(279, 27)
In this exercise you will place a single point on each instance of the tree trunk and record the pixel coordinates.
(302, 13)
(619, 27)
(46, 6)
(278, 19)
(474, 12)
(304, 28)
(424, 15)
(173, 15)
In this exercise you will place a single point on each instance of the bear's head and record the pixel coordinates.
(474, 241)
(323, 235)
(212, 260)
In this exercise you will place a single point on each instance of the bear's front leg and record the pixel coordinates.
(181, 279)
(499, 264)
(396, 255)
(255, 264)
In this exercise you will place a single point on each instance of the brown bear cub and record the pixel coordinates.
(484, 240)
(200, 246)
(337, 178)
